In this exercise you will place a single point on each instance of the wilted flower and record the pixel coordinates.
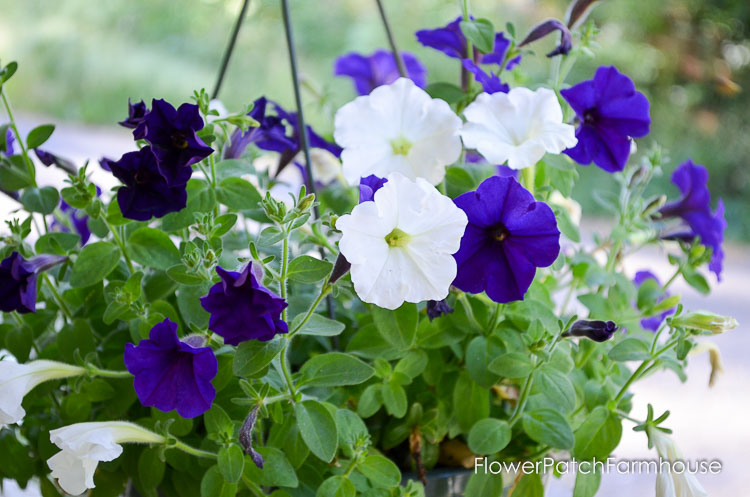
(509, 235)
(380, 68)
(400, 245)
(246, 437)
(670, 483)
(242, 309)
(437, 308)
(610, 111)
(652, 323)
(714, 359)
(368, 186)
(18, 281)
(136, 113)
(518, 127)
(598, 331)
(172, 135)
(709, 322)
(489, 80)
(397, 128)
(84, 445)
(145, 193)
(694, 208)
(550, 26)
(16, 380)
(172, 374)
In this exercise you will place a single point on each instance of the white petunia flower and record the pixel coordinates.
(397, 128)
(401, 244)
(673, 483)
(572, 207)
(16, 380)
(83, 445)
(518, 127)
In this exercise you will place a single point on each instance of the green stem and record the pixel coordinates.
(469, 46)
(107, 373)
(641, 369)
(24, 152)
(284, 269)
(528, 175)
(469, 311)
(625, 415)
(120, 244)
(323, 292)
(522, 397)
(58, 299)
(192, 450)
(494, 318)
(674, 277)
(285, 368)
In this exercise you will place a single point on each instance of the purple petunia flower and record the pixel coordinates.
(437, 308)
(490, 81)
(368, 186)
(550, 26)
(652, 323)
(172, 374)
(380, 68)
(9, 139)
(598, 331)
(509, 235)
(242, 309)
(451, 41)
(270, 135)
(136, 114)
(694, 208)
(172, 135)
(145, 193)
(18, 281)
(611, 112)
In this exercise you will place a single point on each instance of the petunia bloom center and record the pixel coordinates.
(179, 140)
(591, 116)
(142, 176)
(401, 146)
(397, 238)
(498, 232)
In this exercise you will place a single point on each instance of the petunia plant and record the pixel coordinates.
(261, 309)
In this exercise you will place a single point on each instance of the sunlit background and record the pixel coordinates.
(80, 61)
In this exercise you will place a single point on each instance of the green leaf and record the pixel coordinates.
(14, 174)
(370, 401)
(335, 369)
(318, 429)
(214, 485)
(489, 436)
(481, 33)
(336, 486)
(512, 365)
(484, 484)
(56, 242)
(8, 71)
(150, 468)
(39, 135)
(318, 325)
(630, 349)
(470, 402)
(277, 470)
(218, 422)
(598, 436)
(394, 398)
(238, 194)
(42, 200)
(445, 91)
(307, 269)
(188, 302)
(201, 199)
(253, 356)
(696, 280)
(153, 248)
(479, 353)
(555, 387)
(94, 263)
(529, 486)
(548, 427)
(566, 224)
(233, 168)
(587, 484)
(398, 327)
(181, 274)
(350, 427)
(231, 462)
(412, 364)
(381, 471)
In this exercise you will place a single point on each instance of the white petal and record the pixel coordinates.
(73, 474)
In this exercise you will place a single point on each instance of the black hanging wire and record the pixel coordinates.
(229, 49)
(391, 40)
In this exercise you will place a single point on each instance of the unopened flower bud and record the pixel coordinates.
(655, 205)
(705, 321)
(246, 437)
(340, 268)
(436, 308)
(543, 29)
(598, 331)
(306, 202)
(578, 11)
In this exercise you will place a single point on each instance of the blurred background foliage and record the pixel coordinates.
(81, 61)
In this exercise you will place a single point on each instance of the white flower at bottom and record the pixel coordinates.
(401, 244)
(16, 380)
(671, 483)
(85, 444)
(518, 127)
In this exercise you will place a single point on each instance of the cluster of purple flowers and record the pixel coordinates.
(155, 177)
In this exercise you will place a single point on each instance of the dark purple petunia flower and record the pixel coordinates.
(145, 193)
(550, 26)
(490, 81)
(172, 135)
(598, 331)
(451, 41)
(136, 115)
(652, 323)
(368, 186)
(509, 235)
(18, 281)
(242, 309)
(437, 308)
(9, 139)
(270, 135)
(50, 159)
(106, 163)
(694, 208)
(380, 68)
(611, 112)
(172, 374)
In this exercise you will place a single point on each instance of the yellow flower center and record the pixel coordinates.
(397, 238)
(401, 146)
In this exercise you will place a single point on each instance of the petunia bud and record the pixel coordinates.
(543, 29)
(578, 12)
(714, 358)
(340, 268)
(246, 437)
(598, 331)
(705, 321)
(436, 308)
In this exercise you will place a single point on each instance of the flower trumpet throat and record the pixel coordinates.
(401, 146)
(397, 238)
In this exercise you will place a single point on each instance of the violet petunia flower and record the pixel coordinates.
(172, 374)
(136, 114)
(694, 208)
(145, 193)
(451, 41)
(242, 309)
(172, 135)
(18, 278)
(652, 323)
(489, 80)
(610, 112)
(550, 26)
(380, 68)
(368, 186)
(271, 132)
(509, 235)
